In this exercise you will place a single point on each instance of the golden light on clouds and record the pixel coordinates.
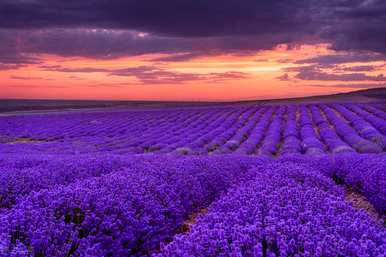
(213, 77)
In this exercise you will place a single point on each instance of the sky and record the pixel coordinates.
(192, 50)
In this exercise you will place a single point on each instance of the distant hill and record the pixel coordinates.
(362, 96)
(25, 106)
(372, 92)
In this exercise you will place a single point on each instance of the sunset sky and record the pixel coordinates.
(190, 49)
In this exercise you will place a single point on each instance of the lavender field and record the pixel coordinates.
(222, 180)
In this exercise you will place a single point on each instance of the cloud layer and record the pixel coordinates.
(154, 74)
(58, 44)
(115, 28)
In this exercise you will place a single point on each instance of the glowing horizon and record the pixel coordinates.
(215, 51)
(207, 78)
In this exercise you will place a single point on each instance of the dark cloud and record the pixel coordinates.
(314, 73)
(185, 29)
(285, 60)
(15, 58)
(356, 25)
(109, 85)
(224, 76)
(284, 77)
(11, 54)
(188, 18)
(153, 74)
(27, 78)
(298, 68)
(76, 78)
(342, 58)
(180, 57)
(351, 85)
(106, 29)
(261, 60)
(40, 86)
(108, 44)
(59, 68)
(360, 68)
(10, 66)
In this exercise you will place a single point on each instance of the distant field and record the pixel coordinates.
(273, 178)
(33, 106)
(24, 106)
(248, 129)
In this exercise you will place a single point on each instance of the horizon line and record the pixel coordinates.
(188, 101)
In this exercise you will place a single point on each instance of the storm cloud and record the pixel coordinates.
(186, 29)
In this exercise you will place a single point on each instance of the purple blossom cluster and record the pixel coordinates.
(287, 209)
(362, 173)
(327, 133)
(363, 128)
(29, 174)
(376, 111)
(291, 142)
(311, 143)
(366, 174)
(256, 136)
(127, 212)
(272, 137)
(227, 140)
(345, 131)
(311, 129)
(230, 180)
(368, 114)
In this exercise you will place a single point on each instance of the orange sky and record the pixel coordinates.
(210, 81)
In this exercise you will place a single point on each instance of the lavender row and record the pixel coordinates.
(252, 143)
(230, 130)
(328, 135)
(363, 128)
(363, 173)
(376, 111)
(375, 121)
(311, 143)
(125, 213)
(251, 129)
(349, 134)
(241, 133)
(291, 142)
(270, 145)
(33, 174)
(286, 210)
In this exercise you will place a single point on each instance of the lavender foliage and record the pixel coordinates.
(224, 180)
(285, 210)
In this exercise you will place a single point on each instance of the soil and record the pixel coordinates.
(360, 202)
